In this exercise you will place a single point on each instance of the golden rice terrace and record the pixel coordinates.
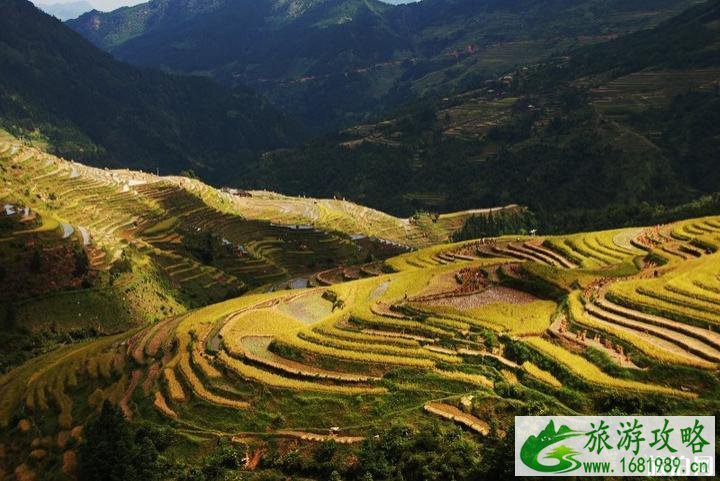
(261, 318)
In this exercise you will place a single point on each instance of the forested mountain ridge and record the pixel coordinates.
(58, 88)
(337, 62)
(107, 29)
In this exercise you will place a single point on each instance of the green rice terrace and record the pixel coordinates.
(180, 304)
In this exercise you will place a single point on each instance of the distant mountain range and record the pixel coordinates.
(599, 129)
(606, 134)
(337, 62)
(65, 11)
(59, 89)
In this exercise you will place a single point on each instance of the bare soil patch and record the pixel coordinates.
(493, 295)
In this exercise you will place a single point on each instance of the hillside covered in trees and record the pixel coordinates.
(621, 131)
(58, 89)
(334, 63)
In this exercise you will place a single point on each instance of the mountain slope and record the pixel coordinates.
(610, 130)
(689, 40)
(335, 62)
(260, 43)
(87, 251)
(108, 29)
(94, 108)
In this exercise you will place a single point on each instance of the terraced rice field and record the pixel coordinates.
(636, 92)
(586, 251)
(663, 343)
(265, 237)
(450, 333)
(681, 295)
(590, 372)
(179, 243)
(352, 338)
(454, 414)
(593, 250)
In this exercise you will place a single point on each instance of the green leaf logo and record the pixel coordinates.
(565, 456)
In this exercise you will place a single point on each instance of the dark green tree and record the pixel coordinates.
(112, 452)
